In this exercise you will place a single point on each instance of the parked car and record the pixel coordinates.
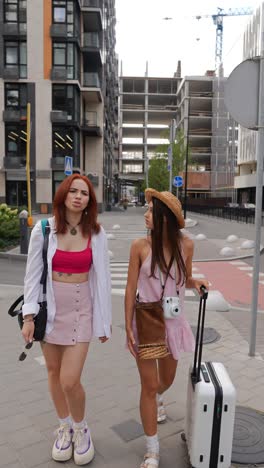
(248, 205)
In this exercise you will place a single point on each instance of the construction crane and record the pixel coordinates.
(218, 21)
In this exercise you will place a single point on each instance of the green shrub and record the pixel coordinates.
(9, 227)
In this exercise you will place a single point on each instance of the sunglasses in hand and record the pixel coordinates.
(23, 355)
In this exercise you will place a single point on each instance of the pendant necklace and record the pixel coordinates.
(73, 230)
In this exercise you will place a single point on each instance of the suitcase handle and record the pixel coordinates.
(195, 375)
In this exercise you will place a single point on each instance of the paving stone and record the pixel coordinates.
(7, 455)
(26, 437)
(35, 454)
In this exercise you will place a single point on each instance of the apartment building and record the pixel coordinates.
(147, 105)
(211, 137)
(245, 181)
(59, 56)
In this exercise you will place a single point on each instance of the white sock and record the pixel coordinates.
(152, 444)
(80, 425)
(67, 420)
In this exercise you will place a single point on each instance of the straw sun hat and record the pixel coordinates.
(168, 199)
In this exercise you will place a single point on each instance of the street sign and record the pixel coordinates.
(178, 181)
(241, 99)
(68, 165)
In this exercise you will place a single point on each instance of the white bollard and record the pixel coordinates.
(232, 238)
(248, 244)
(227, 252)
(200, 237)
(216, 301)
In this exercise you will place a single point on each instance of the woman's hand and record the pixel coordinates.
(198, 283)
(131, 342)
(103, 339)
(28, 331)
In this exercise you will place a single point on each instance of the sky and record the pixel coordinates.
(143, 35)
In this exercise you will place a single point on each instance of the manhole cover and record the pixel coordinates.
(248, 443)
(210, 335)
(128, 430)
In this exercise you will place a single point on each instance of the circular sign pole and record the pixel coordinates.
(246, 105)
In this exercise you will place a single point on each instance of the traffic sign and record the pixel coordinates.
(178, 181)
(68, 165)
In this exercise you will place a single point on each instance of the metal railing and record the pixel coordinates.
(241, 215)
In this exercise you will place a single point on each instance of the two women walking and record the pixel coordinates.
(79, 308)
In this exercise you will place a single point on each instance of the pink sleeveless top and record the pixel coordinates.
(179, 335)
(150, 288)
(73, 262)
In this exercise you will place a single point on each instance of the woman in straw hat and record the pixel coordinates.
(160, 266)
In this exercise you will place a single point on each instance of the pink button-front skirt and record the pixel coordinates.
(73, 319)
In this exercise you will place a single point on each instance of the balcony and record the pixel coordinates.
(58, 30)
(14, 30)
(14, 162)
(59, 74)
(91, 80)
(91, 45)
(91, 3)
(11, 72)
(90, 126)
(92, 15)
(58, 116)
(13, 115)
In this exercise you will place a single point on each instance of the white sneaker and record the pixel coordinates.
(83, 446)
(62, 447)
(161, 412)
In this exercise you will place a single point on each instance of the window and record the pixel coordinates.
(16, 57)
(16, 97)
(16, 140)
(64, 12)
(66, 142)
(66, 98)
(11, 11)
(65, 56)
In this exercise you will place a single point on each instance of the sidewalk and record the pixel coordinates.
(27, 418)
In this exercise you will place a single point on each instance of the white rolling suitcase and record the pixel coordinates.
(210, 415)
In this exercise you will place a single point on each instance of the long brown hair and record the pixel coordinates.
(88, 222)
(174, 237)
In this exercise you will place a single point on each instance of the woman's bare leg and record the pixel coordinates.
(53, 357)
(149, 387)
(166, 373)
(73, 360)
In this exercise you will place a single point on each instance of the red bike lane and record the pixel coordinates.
(234, 283)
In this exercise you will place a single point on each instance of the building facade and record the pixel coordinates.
(210, 135)
(59, 56)
(147, 105)
(245, 181)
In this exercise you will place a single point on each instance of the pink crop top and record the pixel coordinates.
(73, 262)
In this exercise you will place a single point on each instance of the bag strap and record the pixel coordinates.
(43, 279)
(11, 311)
(161, 277)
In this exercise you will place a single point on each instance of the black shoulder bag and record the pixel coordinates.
(16, 308)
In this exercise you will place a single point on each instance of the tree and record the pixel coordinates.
(158, 172)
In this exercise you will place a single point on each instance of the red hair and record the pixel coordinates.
(89, 222)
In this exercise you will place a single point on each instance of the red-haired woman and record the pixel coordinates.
(79, 306)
